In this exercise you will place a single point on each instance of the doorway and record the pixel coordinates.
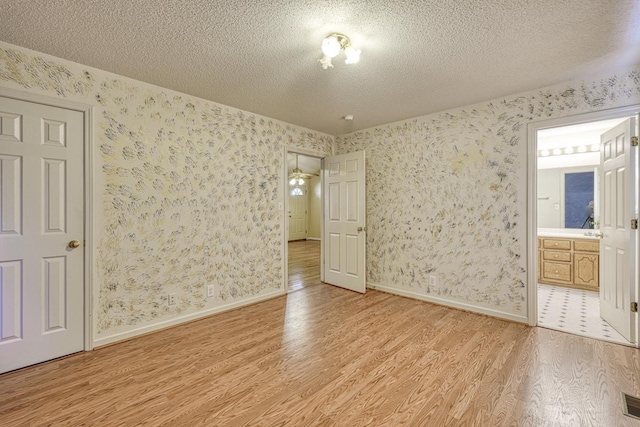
(304, 219)
(574, 277)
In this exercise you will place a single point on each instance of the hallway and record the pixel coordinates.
(304, 264)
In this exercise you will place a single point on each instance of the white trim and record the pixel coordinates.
(88, 229)
(182, 319)
(314, 238)
(285, 223)
(532, 235)
(449, 303)
(88, 174)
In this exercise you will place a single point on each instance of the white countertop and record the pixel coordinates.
(572, 234)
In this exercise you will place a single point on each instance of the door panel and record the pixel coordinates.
(345, 239)
(11, 301)
(10, 197)
(618, 192)
(41, 210)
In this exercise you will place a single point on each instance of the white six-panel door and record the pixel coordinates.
(344, 221)
(617, 209)
(298, 215)
(41, 212)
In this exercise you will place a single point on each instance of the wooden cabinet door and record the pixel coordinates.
(585, 268)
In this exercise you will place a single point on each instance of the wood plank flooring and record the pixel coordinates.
(304, 264)
(324, 356)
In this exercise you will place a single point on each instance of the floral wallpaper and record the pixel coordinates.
(186, 191)
(446, 193)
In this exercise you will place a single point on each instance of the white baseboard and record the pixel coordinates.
(450, 303)
(182, 319)
(314, 238)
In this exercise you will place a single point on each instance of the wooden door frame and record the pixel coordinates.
(284, 207)
(88, 174)
(532, 235)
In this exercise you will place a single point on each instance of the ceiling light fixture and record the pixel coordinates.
(331, 47)
(297, 177)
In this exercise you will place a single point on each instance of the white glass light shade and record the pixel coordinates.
(292, 182)
(326, 63)
(331, 47)
(582, 149)
(296, 192)
(568, 150)
(544, 153)
(353, 55)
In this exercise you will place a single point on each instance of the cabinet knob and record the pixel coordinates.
(555, 244)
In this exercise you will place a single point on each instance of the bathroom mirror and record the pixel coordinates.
(568, 197)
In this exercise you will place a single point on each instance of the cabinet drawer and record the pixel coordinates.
(556, 256)
(557, 271)
(586, 245)
(559, 244)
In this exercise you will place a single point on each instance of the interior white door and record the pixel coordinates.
(616, 211)
(41, 213)
(298, 215)
(344, 221)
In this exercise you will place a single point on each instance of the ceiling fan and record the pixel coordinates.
(297, 177)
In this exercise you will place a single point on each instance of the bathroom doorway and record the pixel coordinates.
(571, 177)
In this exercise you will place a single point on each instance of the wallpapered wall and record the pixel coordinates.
(446, 193)
(186, 191)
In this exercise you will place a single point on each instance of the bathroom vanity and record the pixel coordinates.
(569, 260)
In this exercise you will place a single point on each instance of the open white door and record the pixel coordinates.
(344, 221)
(41, 233)
(617, 247)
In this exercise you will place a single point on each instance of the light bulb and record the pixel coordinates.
(557, 151)
(568, 150)
(331, 46)
(325, 62)
(582, 149)
(353, 55)
(595, 147)
(544, 153)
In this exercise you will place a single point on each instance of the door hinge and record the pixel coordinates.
(634, 307)
(634, 224)
(634, 141)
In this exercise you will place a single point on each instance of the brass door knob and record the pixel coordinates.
(74, 244)
(599, 234)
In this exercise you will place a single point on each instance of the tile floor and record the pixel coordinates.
(574, 311)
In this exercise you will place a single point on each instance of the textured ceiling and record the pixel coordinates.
(418, 57)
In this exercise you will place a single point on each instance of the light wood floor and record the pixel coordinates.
(304, 264)
(323, 356)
